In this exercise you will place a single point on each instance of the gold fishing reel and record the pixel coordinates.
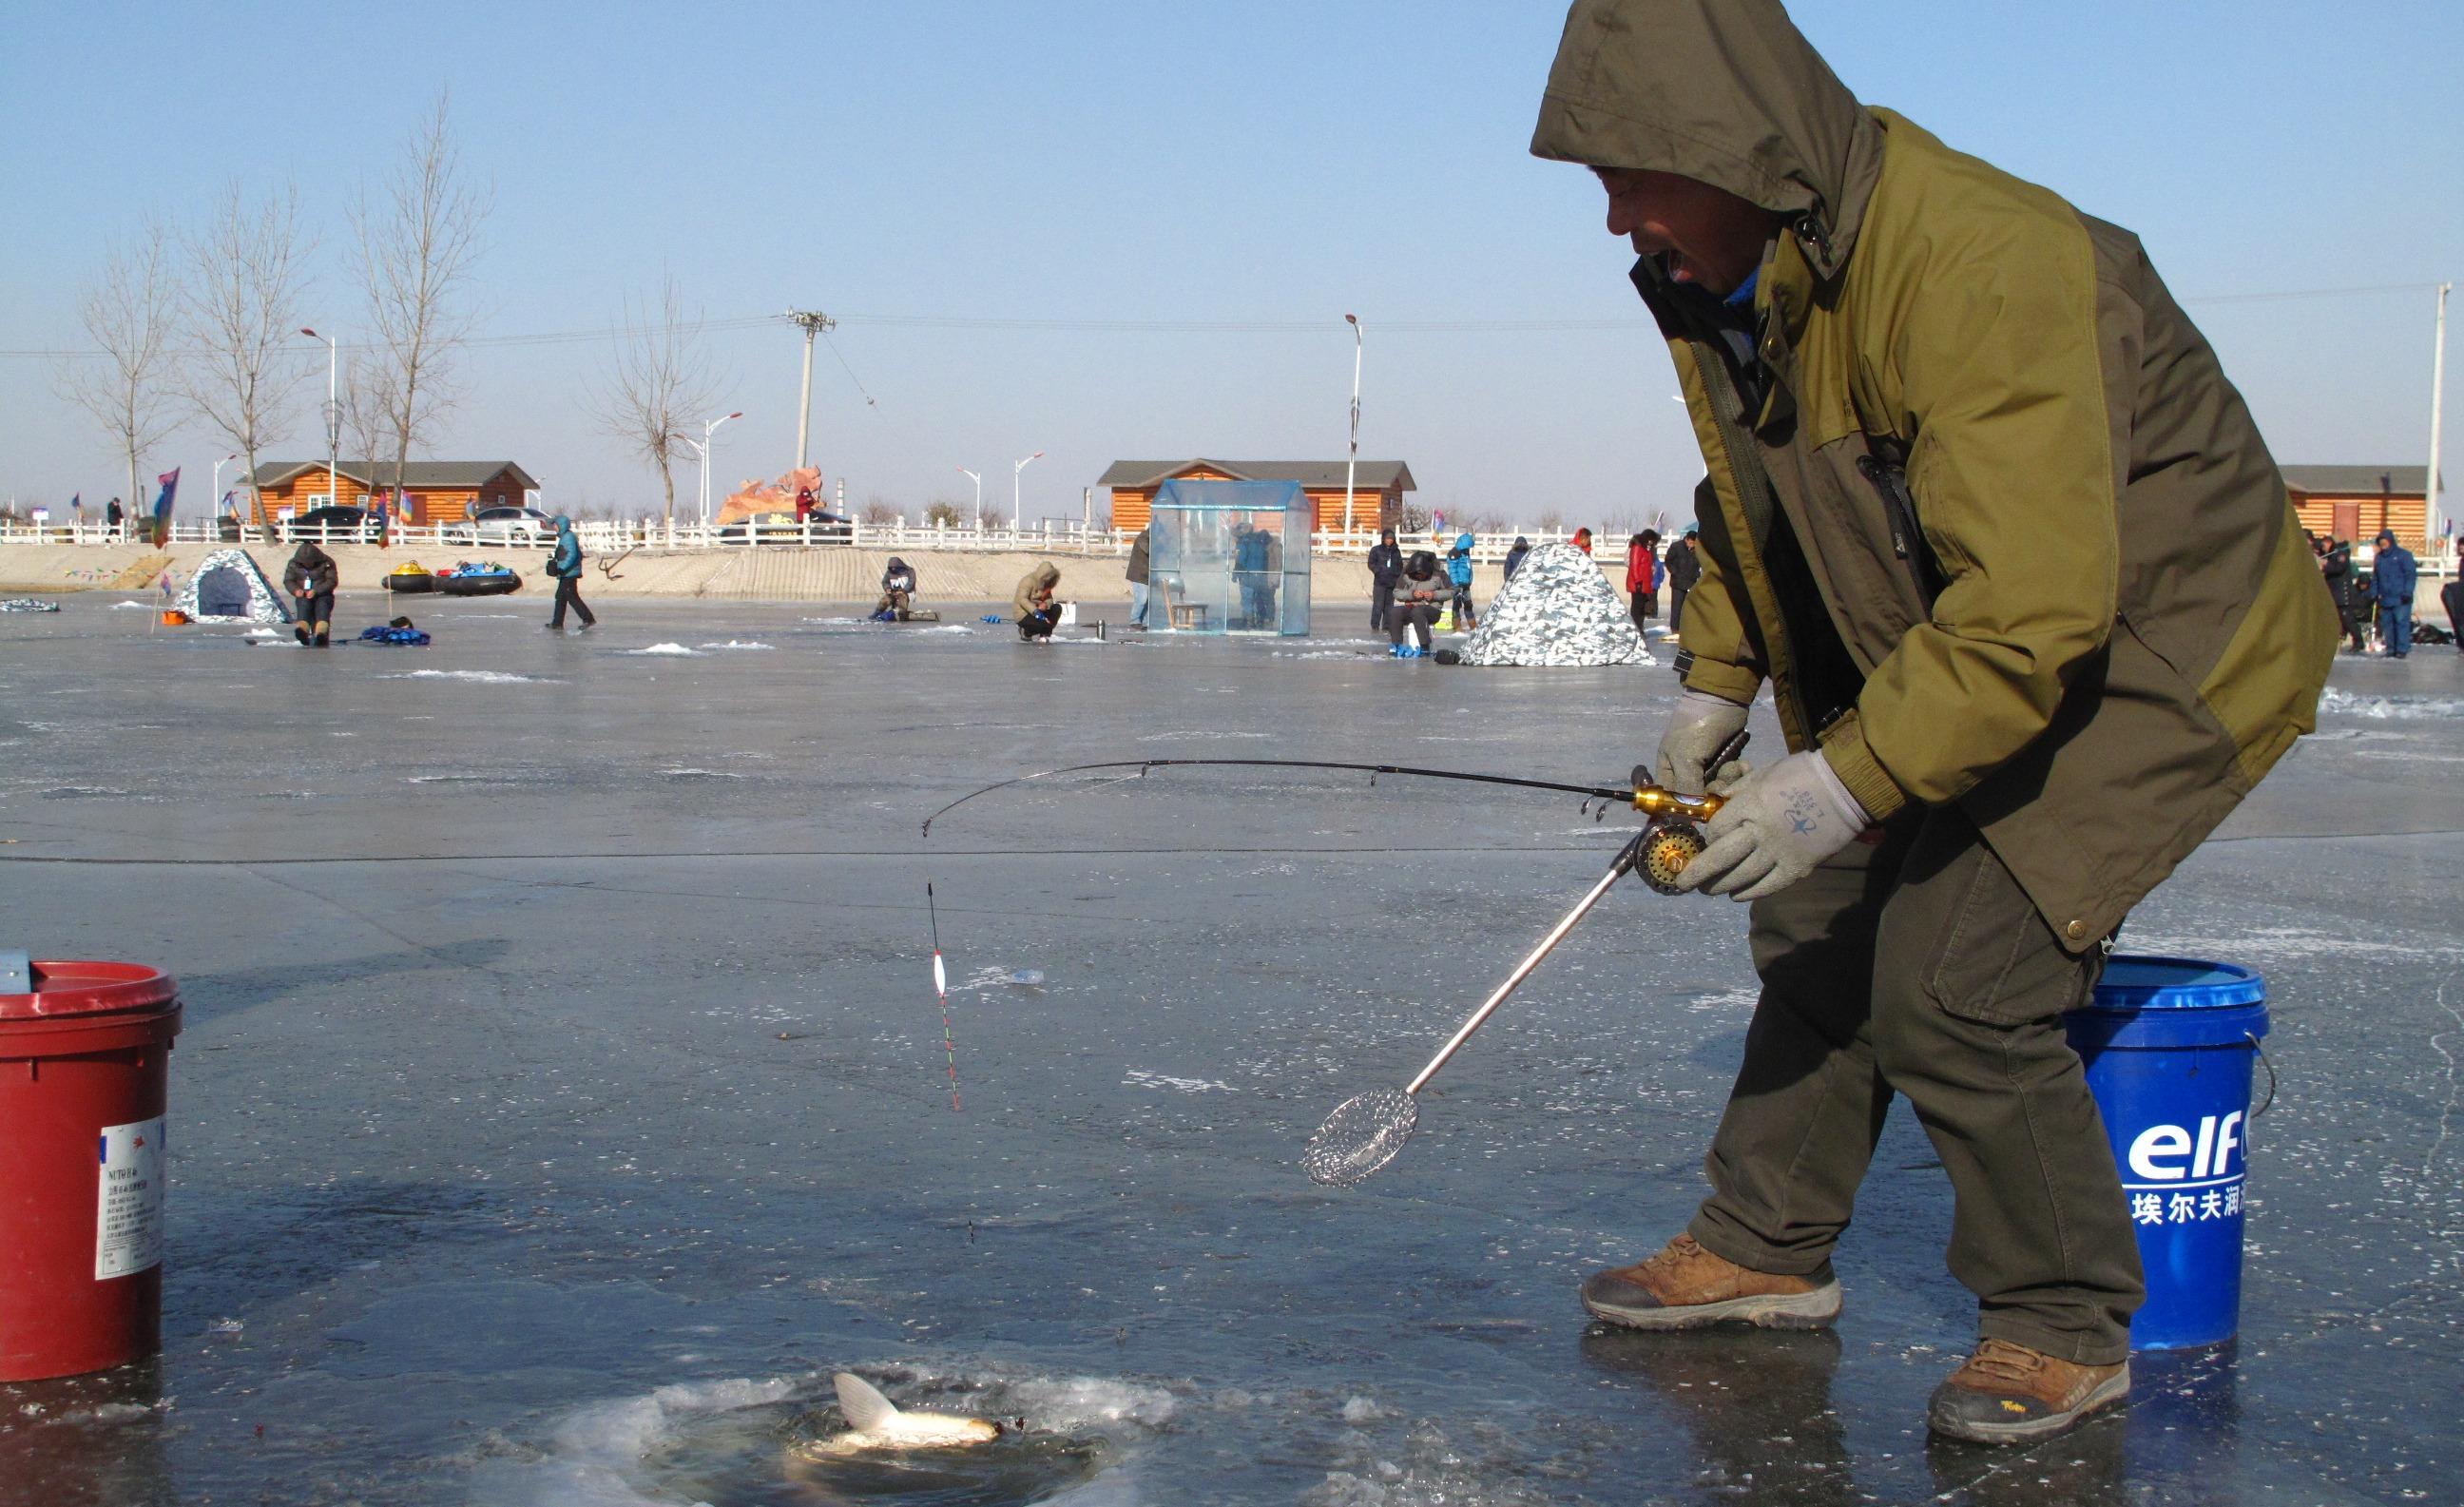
(1668, 846)
(1671, 840)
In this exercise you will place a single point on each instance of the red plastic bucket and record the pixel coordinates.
(82, 1096)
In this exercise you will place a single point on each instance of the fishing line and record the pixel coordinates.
(941, 986)
(1602, 792)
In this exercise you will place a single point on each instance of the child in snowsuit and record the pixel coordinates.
(1459, 575)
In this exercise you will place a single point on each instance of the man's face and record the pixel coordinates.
(1701, 233)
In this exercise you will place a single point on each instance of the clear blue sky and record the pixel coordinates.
(1265, 166)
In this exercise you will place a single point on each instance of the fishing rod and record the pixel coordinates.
(1373, 770)
(1668, 842)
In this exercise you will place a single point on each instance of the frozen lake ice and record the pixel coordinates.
(563, 1095)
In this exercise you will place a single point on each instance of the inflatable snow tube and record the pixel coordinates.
(409, 581)
(491, 582)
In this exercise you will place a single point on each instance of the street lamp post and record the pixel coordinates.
(1017, 514)
(978, 480)
(215, 493)
(703, 448)
(1351, 466)
(333, 417)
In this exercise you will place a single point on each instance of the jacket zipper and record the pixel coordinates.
(1907, 536)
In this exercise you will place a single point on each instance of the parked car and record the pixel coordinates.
(337, 525)
(781, 527)
(502, 525)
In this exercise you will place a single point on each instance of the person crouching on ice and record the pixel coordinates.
(1037, 612)
(897, 592)
(1420, 592)
(311, 578)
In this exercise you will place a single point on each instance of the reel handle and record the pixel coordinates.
(1658, 801)
(1671, 840)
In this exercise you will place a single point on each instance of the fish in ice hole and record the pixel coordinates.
(876, 1424)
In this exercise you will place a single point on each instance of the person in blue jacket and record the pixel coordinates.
(1458, 572)
(1514, 556)
(565, 565)
(2393, 573)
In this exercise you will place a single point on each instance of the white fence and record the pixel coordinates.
(1049, 536)
(599, 536)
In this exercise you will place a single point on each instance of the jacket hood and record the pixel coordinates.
(308, 554)
(1462, 544)
(1044, 575)
(1724, 91)
(1521, 543)
(564, 525)
(896, 564)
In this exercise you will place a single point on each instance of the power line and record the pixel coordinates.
(1093, 327)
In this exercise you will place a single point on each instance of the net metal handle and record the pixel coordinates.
(2253, 1039)
(1625, 861)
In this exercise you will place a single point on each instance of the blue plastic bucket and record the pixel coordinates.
(2169, 1044)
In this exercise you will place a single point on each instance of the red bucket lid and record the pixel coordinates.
(80, 986)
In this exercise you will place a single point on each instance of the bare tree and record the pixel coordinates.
(878, 512)
(245, 272)
(413, 248)
(658, 386)
(368, 407)
(130, 312)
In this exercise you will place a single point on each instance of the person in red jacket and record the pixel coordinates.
(1643, 577)
(1583, 539)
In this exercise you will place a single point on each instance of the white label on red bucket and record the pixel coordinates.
(128, 1210)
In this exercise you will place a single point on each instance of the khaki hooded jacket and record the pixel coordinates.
(2003, 468)
(1033, 586)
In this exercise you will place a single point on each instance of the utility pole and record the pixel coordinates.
(1352, 464)
(813, 323)
(2437, 405)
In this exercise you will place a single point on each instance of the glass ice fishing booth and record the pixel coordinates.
(1229, 556)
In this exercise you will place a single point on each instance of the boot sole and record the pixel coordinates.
(1814, 1310)
(2106, 1394)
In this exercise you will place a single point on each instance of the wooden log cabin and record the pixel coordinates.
(437, 491)
(2355, 502)
(1378, 487)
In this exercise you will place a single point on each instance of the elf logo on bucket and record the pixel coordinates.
(2172, 1154)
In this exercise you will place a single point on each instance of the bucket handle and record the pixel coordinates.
(2271, 1073)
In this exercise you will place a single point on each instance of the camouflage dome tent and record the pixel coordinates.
(1558, 611)
(228, 588)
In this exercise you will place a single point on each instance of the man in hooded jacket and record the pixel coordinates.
(564, 563)
(1684, 566)
(2034, 613)
(1038, 613)
(2393, 574)
(1385, 563)
(311, 578)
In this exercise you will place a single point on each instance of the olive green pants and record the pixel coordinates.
(1919, 966)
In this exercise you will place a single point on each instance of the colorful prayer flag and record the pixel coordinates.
(170, 480)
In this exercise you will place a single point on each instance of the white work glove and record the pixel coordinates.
(1779, 823)
(1697, 731)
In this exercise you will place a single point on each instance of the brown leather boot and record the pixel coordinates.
(2010, 1394)
(1685, 1286)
